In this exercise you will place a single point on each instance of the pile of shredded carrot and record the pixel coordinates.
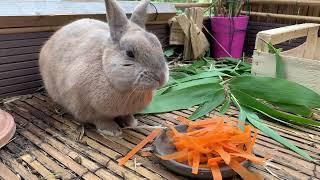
(210, 143)
(214, 142)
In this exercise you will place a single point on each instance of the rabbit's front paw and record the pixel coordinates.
(109, 128)
(127, 121)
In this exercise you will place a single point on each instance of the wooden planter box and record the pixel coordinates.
(302, 64)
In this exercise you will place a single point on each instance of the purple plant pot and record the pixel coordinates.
(230, 34)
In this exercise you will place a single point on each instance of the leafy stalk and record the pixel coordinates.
(255, 121)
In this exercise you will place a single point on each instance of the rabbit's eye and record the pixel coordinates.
(130, 54)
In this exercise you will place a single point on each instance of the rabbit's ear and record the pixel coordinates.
(139, 14)
(116, 18)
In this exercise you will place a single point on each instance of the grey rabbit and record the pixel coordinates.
(104, 73)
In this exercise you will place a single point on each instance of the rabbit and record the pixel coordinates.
(103, 73)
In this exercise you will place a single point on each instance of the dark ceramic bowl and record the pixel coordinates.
(163, 146)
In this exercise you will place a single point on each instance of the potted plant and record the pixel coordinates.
(228, 28)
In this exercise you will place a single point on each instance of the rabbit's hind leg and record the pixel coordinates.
(127, 121)
(108, 127)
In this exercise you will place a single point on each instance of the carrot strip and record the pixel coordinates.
(174, 130)
(184, 120)
(214, 160)
(196, 162)
(250, 157)
(145, 141)
(250, 147)
(215, 170)
(175, 155)
(146, 154)
(224, 155)
(243, 172)
(190, 158)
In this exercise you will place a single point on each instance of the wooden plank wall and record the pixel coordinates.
(26, 25)
(258, 23)
(19, 72)
(290, 9)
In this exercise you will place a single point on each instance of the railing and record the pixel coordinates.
(282, 11)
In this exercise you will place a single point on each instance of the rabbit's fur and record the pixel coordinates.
(101, 73)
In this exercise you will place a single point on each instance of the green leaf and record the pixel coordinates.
(182, 99)
(276, 90)
(295, 109)
(185, 70)
(182, 85)
(198, 64)
(248, 101)
(242, 115)
(255, 121)
(169, 52)
(215, 100)
(226, 105)
(235, 61)
(202, 75)
(178, 75)
(280, 73)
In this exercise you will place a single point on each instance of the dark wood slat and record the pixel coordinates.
(20, 87)
(18, 93)
(22, 79)
(18, 65)
(22, 43)
(18, 51)
(21, 36)
(19, 72)
(18, 58)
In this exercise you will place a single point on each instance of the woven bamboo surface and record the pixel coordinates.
(49, 146)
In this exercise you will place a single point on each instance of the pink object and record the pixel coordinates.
(230, 33)
(7, 127)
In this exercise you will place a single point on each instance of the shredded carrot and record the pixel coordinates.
(250, 147)
(184, 120)
(210, 143)
(224, 155)
(146, 154)
(145, 141)
(176, 155)
(243, 172)
(214, 142)
(216, 174)
(196, 162)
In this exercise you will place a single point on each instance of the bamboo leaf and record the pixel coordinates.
(248, 101)
(226, 105)
(280, 73)
(276, 90)
(242, 115)
(255, 121)
(195, 82)
(295, 109)
(202, 75)
(182, 99)
(178, 75)
(215, 100)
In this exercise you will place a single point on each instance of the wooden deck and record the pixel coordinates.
(47, 146)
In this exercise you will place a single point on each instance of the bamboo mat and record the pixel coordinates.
(49, 146)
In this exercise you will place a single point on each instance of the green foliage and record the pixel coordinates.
(255, 121)
(214, 84)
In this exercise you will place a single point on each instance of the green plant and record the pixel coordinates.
(228, 8)
(210, 84)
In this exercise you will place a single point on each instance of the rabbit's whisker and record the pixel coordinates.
(129, 95)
